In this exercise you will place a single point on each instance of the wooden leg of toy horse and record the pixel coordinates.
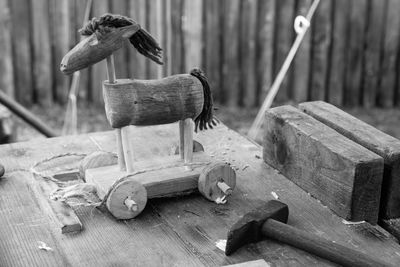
(188, 140)
(182, 138)
(120, 151)
(127, 149)
(110, 69)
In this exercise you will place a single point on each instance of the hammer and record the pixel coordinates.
(269, 220)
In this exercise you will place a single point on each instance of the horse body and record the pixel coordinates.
(151, 102)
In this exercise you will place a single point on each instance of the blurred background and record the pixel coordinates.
(349, 57)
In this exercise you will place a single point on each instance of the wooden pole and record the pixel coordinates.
(27, 116)
(71, 118)
(187, 134)
(118, 132)
(255, 128)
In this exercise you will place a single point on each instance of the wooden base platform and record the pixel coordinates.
(126, 194)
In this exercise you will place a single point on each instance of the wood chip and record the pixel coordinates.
(44, 246)
(275, 195)
(221, 244)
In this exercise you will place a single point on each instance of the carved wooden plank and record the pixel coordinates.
(137, 62)
(21, 50)
(121, 56)
(99, 70)
(167, 41)
(248, 26)
(373, 45)
(355, 50)
(193, 34)
(42, 67)
(301, 63)
(265, 45)
(177, 49)
(390, 54)
(382, 144)
(321, 39)
(338, 52)
(342, 174)
(84, 76)
(154, 26)
(60, 37)
(284, 40)
(6, 64)
(213, 45)
(230, 67)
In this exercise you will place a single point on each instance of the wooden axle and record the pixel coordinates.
(167, 176)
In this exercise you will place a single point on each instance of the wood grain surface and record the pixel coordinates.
(264, 46)
(150, 102)
(338, 52)
(373, 139)
(21, 50)
(345, 176)
(301, 63)
(6, 64)
(173, 231)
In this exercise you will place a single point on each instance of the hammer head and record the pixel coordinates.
(248, 228)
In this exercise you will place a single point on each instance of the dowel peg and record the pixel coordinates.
(226, 189)
(131, 204)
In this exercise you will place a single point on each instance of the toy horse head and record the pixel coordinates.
(105, 36)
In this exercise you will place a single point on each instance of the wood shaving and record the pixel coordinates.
(44, 246)
(221, 244)
(352, 223)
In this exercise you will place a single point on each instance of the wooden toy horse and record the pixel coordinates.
(184, 98)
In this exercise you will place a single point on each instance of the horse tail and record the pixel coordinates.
(141, 40)
(205, 118)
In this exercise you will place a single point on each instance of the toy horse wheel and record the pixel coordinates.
(217, 181)
(127, 199)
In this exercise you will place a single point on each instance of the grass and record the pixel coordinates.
(91, 118)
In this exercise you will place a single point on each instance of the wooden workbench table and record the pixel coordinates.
(170, 232)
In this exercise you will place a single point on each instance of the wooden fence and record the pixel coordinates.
(350, 56)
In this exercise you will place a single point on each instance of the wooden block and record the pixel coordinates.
(371, 138)
(343, 175)
(382, 144)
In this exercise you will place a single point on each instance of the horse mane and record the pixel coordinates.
(206, 117)
(141, 40)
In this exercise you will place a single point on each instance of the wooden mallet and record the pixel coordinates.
(269, 221)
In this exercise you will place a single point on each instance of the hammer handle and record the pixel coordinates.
(319, 246)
